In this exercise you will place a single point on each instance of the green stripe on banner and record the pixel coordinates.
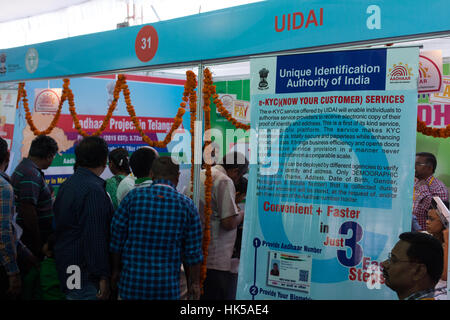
(64, 160)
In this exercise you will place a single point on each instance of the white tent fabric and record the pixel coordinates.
(97, 16)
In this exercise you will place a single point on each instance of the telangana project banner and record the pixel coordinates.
(331, 183)
(156, 102)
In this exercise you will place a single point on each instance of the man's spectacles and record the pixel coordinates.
(421, 164)
(392, 259)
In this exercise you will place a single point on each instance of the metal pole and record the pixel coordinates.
(198, 139)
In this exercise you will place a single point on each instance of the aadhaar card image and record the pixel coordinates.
(289, 271)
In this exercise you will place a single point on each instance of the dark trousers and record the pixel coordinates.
(4, 284)
(219, 285)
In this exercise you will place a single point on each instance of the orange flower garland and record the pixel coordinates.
(193, 112)
(190, 85)
(208, 181)
(435, 132)
(119, 83)
(223, 111)
(22, 93)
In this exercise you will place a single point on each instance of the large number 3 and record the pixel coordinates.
(352, 243)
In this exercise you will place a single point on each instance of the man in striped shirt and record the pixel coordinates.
(426, 186)
(153, 231)
(33, 196)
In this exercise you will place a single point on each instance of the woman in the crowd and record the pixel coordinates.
(120, 168)
(437, 226)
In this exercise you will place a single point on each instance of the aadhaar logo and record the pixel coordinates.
(400, 73)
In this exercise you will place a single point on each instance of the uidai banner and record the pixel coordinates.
(262, 27)
(332, 173)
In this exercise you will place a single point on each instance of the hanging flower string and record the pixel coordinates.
(207, 91)
(22, 93)
(118, 87)
(193, 112)
(190, 86)
(435, 132)
(121, 85)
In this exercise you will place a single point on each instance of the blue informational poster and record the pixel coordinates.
(331, 172)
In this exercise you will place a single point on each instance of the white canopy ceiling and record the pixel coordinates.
(19, 9)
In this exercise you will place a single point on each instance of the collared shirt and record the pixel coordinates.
(124, 187)
(223, 205)
(422, 295)
(30, 187)
(8, 243)
(155, 229)
(83, 212)
(129, 183)
(423, 196)
(440, 290)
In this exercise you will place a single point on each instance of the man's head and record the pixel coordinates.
(91, 153)
(235, 164)
(165, 168)
(43, 148)
(241, 189)
(4, 154)
(141, 161)
(425, 165)
(415, 263)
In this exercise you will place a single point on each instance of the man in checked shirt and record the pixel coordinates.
(153, 231)
(10, 281)
(426, 186)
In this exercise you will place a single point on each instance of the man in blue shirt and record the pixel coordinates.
(83, 212)
(153, 231)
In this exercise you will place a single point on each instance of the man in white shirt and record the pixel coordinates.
(220, 283)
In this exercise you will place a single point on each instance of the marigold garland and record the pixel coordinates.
(121, 85)
(193, 111)
(22, 93)
(434, 132)
(190, 86)
(208, 181)
(118, 87)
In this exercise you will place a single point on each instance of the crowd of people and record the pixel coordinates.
(135, 237)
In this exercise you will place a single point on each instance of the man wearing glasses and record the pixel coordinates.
(414, 266)
(426, 186)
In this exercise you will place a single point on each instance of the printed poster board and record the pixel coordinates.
(335, 139)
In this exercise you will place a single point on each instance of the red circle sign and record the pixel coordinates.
(146, 43)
